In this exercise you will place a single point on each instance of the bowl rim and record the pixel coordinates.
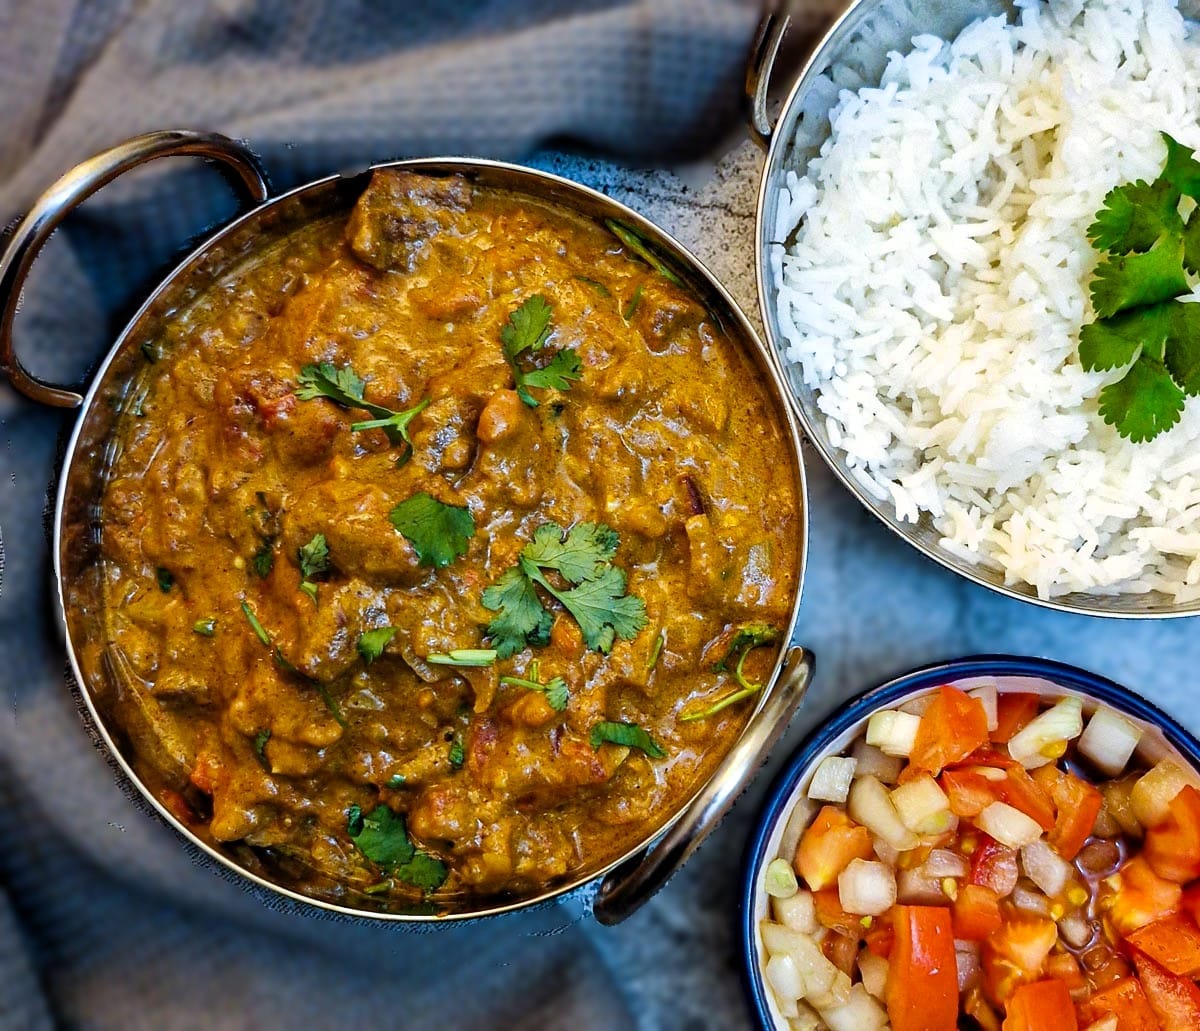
(824, 55)
(921, 678)
(549, 188)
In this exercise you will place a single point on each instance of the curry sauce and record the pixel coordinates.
(312, 653)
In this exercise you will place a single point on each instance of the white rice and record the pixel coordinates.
(937, 282)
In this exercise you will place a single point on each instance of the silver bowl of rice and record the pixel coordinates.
(923, 264)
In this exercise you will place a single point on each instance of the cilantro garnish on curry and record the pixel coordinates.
(449, 550)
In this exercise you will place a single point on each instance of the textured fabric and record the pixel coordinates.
(105, 920)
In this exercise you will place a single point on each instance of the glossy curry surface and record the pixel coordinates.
(242, 687)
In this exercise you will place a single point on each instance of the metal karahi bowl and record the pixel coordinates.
(1163, 737)
(857, 45)
(619, 885)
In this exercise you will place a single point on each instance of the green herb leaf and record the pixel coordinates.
(558, 373)
(205, 627)
(255, 625)
(380, 835)
(464, 657)
(344, 387)
(596, 285)
(396, 427)
(396, 781)
(165, 578)
(1114, 342)
(260, 744)
(423, 871)
(521, 619)
(630, 735)
(1135, 216)
(372, 643)
(634, 301)
(578, 555)
(439, 533)
(309, 588)
(1182, 348)
(314, 557)
(528, 329)
(557, 694)
(456, 754)
(1181, 169)
(633, 240)
(748, 637)
(1144, 403)
(264, 559)
(1131, 280)
(601, 607)
(656, 652)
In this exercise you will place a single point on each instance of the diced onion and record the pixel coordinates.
(806, 1019)
(1008, 825)
(914, 887)
(780, 879)
(873, 763)
(866, 888)
(816, 971)
(966, 957)
(831, 779)
(783, 977)
(1045, 867)
(893, 732)
(798, 913)
(1031, 901)
(917, 705)
(836, 994)
(1075, 929)
(1044, 738)
(1111, 1022)
(874, 970)
(944, 863)
(885, 852)
(1109, 740)
(859, 1012)
(870, 805)
(1155, 789)
(922, 805)
(987, 696)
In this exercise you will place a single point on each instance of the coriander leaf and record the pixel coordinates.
(205, 627)
(1191, 245)
(1135, 216)
(480, 657)
(633, 240)
(260, 744)
(309, 588)
(579, 554)
(439, 533)
(1182, 348)
(596, 285)
(380, 835)
(314, 557)
(423, 871)
(630, 735)
(557, 694)
(255, 625)
(528, 327)
(634, 301)
(396, 427)
(396, 781)
(747, 638)
(1143, 403)
(264, 559)
(1181, 170)
(1134, 279)
(558, 373)
(372, 643)
(521, 619)
(165, 579)
(601, 607)
(340, 385)
(456, 754)
(1113, 342)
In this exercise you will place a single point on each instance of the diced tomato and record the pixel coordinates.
(841, 950)
(880, 939)
(1125, 1000)
(1013, 710)
(1172, 942)
(976, 912)
(1022, 792)
(828, 904)
(970, 792)
(1041, 1006)
(994, 866)
(1016, 954)
(1190, 903)
(1136, 896)
(1173, 846)
(177, 806)
(828, 845)
(1077, 804)
(952, 727)
(922, 982)
(1175, 1000)
(206, 772)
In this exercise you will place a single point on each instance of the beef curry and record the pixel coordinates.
(445, 548)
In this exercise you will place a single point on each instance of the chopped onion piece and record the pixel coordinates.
(874, 970)
(1045, 867)
(1109, 740)
(917, 705)
(806, 1019)
(1008, 825)
(783, 977)
(893, 732)
(798, 913)
(815, 969)
(1111, 1022)
(831, 780)
(836, 994)
(866, 888)
(780, 879)
(1031, 901)
(914, 887)
(922, 805)
(1044, 738)
(1155, 789)
(885, 852)
(966, 957)
(870, 805)
(987, 696)
(944, 863)
(859, 1012)
(1075, 929)
(873, 763)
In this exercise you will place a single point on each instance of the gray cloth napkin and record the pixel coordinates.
(105, 921)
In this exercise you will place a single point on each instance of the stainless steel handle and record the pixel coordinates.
(632, 884)
(763, 53)
(71, 190)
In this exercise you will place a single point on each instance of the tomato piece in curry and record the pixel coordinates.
(304, 611)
